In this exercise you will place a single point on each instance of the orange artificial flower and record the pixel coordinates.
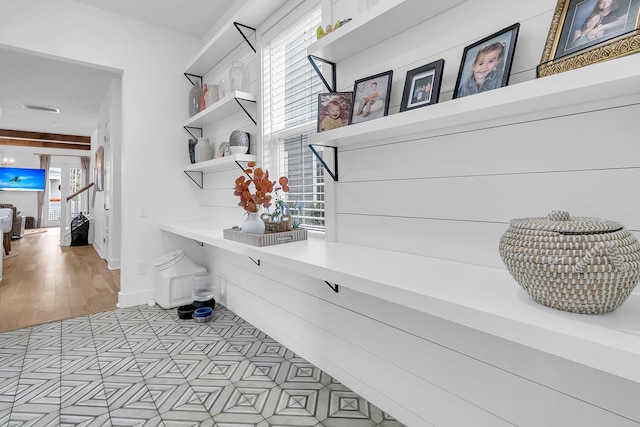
(251, 202)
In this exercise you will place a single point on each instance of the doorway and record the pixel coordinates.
(65, 178)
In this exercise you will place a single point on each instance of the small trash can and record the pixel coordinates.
(80, 230)
(176, 279)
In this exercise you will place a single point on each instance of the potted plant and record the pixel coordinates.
(251, 201)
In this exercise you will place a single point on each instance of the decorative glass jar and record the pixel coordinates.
(238, 76)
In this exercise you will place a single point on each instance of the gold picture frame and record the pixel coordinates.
(585, 32)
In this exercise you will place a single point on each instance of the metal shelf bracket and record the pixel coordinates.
(256, 262)
(238, 25)
(192, 135)
(312, 59)
(244, 109)
(197, 177)
(189, 76)
(334, 286)
(334, 173)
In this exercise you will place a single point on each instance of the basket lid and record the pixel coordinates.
(561, 222)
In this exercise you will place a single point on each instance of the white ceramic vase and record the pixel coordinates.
(203, 150)
(253, 224)
(239, 142)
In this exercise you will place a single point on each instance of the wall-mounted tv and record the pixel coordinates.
(22, 179)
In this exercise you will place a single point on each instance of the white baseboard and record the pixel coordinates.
(135, 298)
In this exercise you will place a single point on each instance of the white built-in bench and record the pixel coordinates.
(485, 299)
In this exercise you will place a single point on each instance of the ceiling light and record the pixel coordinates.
(5, 161)
(41, 108)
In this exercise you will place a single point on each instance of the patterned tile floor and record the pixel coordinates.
(143, 366)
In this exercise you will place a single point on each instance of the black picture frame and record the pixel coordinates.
(503, 44)
(573, 43)
(364, 109)
(422, 86)
(325, 102)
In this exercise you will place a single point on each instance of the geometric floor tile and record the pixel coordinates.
(142, 366)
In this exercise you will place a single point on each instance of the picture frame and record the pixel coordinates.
(371, 97)
(334, 110)
(494, 54)
(577, 37)
(99, 169)
(422, 86)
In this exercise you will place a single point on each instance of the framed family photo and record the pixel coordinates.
(422, 86)
(584, 32)
(371, 97)
(333, 110)
(486, 64)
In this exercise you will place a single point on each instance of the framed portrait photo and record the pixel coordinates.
(584, 32)
(371, 97)
(422, 86)
(333, 110)
(486, 64)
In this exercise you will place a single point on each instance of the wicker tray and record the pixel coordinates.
(582, 265)
(268, 238)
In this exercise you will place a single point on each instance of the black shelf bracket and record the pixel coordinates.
(192, 135)
(312, 59)
(197, 177)
(189, 76)
(244, 109)
(334, 173)
(256, 262)
(199, 243)
(334, 286)
(238, 25)
(243, 169)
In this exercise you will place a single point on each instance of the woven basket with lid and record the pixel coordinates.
(578, 264)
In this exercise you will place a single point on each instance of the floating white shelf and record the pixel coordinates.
(220, 164)
(381, 22)
(221, 109)
(573, 91)
(252, 14)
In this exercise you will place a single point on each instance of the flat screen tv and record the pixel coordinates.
(22, 179)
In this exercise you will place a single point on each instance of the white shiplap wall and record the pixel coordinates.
(450, 195)
(446, 195)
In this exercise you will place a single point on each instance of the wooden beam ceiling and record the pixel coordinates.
(46, 140)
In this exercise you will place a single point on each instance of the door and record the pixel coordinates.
(53, 201)
(64, 179)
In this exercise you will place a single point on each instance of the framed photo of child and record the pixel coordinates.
(486, 64)
(333, 110)
(371, 97)
(584, 32)
(422, 86)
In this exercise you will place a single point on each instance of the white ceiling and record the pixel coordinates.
(191, 17)
(78, 89)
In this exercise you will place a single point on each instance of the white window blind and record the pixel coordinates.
(290, 98)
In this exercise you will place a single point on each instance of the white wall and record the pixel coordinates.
(459, 189)
(445, 196)
(154, 104)
(107, 209)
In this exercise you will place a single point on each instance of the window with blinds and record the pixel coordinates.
(290, 99)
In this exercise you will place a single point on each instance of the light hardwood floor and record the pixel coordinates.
(43, 281)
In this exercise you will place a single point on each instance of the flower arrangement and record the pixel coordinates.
(251, 202)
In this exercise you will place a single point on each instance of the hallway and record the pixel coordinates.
(43, 281)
